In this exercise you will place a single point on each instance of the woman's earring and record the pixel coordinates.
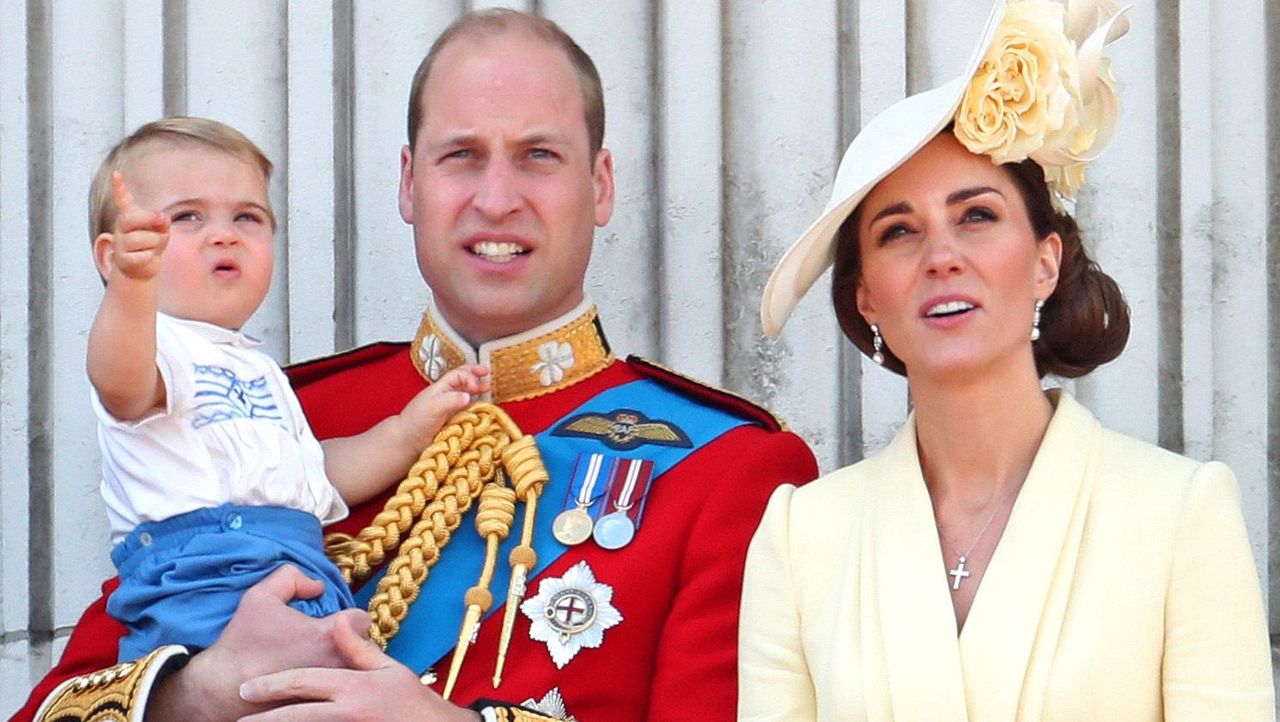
(878, 344)
(1035, 322)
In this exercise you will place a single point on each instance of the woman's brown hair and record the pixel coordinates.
(1084, 324)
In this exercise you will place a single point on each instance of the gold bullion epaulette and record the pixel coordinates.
(711, 395)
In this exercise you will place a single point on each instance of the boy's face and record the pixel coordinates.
(217, 265)
(501, 186)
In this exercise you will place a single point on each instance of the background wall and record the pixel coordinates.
(726, 118)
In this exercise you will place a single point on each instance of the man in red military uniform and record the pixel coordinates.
(655, 486)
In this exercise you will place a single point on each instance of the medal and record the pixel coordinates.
(570, 613)
(573, 526)
(616, 529)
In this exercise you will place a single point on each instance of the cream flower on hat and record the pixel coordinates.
(1038, 87)
(1026, 92)
(1044, 91)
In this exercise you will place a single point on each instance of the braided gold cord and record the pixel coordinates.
(524, 465)
(428, 506)
(497, 511)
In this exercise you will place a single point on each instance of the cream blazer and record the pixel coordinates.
(1123, 589)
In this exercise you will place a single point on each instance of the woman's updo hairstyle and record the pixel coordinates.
(1084, 324)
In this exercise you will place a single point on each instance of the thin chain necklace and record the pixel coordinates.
(959, 574)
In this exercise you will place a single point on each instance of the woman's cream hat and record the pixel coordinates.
(1038, 86)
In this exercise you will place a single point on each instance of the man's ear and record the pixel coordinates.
(406, 184)
(602, 177)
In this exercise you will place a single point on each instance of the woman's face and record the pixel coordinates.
(951, 267)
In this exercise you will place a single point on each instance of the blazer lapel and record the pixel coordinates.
(1012, 628)
(907, 599)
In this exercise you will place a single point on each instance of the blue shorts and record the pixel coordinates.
(182, 578)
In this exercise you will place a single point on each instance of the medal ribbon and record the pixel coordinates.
(636, 482)
(586, 491)
(623, 501)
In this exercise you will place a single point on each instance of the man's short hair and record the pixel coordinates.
(168, 132)
(496, 21)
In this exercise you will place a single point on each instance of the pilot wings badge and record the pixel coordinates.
(624, 430)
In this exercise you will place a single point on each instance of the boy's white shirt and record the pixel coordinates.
(232, 432)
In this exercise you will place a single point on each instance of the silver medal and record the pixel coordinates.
(614, 531)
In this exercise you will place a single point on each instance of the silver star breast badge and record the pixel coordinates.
(551, 704)
(570, 613)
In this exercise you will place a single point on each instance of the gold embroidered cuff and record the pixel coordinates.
(115, 694)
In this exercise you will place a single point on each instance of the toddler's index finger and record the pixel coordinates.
(470, 378)
(120, 192)
(131, 217)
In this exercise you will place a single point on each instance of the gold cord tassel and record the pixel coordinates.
(428, 506)
(493, 521)
(523, 557)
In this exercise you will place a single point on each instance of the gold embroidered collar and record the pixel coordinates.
(539, 361)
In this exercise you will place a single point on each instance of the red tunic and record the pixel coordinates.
(677, 585)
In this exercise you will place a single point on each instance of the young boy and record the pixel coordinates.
(211, 474)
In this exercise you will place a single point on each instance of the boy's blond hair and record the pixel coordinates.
(167, 132)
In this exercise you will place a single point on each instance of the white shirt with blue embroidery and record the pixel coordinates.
(232, 431)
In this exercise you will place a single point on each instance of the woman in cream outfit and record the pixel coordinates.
(1006, 557)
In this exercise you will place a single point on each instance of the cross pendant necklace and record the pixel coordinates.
(960, 573)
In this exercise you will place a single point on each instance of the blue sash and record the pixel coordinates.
(431, 628)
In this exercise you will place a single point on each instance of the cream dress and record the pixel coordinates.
(1122, 589)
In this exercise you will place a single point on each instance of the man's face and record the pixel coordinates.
(500, 186)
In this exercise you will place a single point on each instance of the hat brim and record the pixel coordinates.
(888, 141)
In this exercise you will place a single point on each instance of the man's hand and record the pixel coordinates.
(264, 636)
(376, 687)
(138, 237)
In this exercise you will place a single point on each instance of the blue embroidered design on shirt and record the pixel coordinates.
(223, 396)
